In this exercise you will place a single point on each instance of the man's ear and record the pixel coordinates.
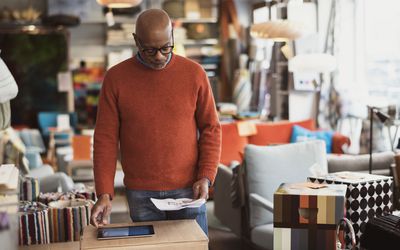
(135, 38)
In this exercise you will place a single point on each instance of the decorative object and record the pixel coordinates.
(317, 62)
(278, 30)
(346, 222)
(383, 118)
(68, 218)
(29, 189)
(368, 196)
(119, 3)
(4, 221)
(306, 215)
(46, 198)
(242, 86)
(33, 223)
(307, 70)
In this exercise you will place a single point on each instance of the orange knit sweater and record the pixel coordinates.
(165, 122)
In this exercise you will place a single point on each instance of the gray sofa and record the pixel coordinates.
(230, 198)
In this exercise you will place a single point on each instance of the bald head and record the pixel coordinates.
(154, 34)
(153, 23)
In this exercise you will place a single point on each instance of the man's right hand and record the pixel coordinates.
(101, 211)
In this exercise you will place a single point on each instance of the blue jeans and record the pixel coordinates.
(142, 209)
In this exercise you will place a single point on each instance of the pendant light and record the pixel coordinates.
(119, 3)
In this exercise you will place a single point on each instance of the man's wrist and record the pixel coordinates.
(208, 181)
(105, 196)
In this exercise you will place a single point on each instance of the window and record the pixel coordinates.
(382, 49)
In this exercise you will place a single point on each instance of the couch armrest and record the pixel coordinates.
(258, 200)
(224, 210)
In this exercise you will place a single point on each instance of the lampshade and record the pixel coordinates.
(318, 63)
(119, 3)
(277, 30)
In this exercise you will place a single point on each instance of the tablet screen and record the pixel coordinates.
(122, 232)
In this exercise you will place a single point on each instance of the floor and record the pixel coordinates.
(220, 237)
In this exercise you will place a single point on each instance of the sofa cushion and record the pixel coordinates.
(301, 134)
(338, 141)
(232, 144)
(277, 132)
(269, 166)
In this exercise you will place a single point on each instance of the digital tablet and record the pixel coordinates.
(124, 232)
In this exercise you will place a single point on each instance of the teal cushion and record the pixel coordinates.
(302, 134)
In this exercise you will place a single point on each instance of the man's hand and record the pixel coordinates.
(200, 189)
(100, 211)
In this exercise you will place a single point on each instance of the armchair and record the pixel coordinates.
(264, 169)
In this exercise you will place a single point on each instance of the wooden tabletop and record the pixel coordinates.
(172, 233)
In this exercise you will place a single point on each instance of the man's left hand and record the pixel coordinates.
(200, 189)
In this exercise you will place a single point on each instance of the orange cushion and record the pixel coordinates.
(277, 132)
(232, 144)
(338, 140)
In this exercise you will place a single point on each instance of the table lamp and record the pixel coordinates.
(382, 118)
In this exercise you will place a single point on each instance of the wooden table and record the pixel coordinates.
(74, 245)
(172, 234)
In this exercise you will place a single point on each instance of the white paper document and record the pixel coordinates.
(176, 204)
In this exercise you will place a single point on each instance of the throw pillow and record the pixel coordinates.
(301, 134)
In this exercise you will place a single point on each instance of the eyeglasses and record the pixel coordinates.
(165, 50)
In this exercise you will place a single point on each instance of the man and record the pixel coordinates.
(159, 108)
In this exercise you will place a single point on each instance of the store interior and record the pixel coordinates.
(302, 88)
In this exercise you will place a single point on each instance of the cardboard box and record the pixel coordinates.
(172, 234)
(306, 215)
(367, 196)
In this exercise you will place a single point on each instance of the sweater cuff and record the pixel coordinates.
(101, 190)
(208, 174)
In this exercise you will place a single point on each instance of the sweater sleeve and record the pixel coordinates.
(106, 138)
(209, 143)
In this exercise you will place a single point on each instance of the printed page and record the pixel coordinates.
(176, 204)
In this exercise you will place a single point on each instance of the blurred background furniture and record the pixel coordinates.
(48, 121)
(30, 162)
(57, 130)
(268, 166)
(263, 170)
(268, 133)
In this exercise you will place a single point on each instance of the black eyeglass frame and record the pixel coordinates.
(153, 51)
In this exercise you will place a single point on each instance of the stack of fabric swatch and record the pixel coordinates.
(68, 218)
(29, 189)
(33, 223)
(46, 198)
(4, 221)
